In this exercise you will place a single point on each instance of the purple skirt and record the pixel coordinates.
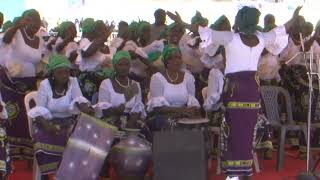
(49, 146)
(242, 101)
(19, 139)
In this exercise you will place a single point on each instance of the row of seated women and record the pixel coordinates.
(131, 79)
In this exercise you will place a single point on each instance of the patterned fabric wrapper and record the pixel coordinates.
(90, 82)
(49, 146)
(13, 93)
(5, 161)
(86, 150)
(241, 98)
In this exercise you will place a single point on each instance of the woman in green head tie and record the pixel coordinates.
(172, 92)
(87, 28)
(59, 100)
(119, 96)
(64, 44)
(25, 58)
(95, 56)
(174, 33)
(144, 33)
(243, 51)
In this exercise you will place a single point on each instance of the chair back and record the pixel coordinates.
(28, 99)
(270, 95)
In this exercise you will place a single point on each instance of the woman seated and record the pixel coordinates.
(172, 92)
(59, 100)
(5, 167)
(120, 99)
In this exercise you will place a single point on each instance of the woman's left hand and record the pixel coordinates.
(85, 108)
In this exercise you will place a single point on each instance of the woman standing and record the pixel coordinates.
(25, 55)
(94, 56)
(64, 44)
(241, 94)
(59, 100)
(172, 93)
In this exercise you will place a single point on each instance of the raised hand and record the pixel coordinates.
(297, 11)
(175, 17)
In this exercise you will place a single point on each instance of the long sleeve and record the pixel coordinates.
(76, 96)
(42, 102)
(75, 91)
(42, 95)
(215, 88)
(104, 98)
(157, 98)
(192, 101)
(104, 93)
(209, 37)
(156, 87)
(276, 40)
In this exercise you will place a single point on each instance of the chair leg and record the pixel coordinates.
(281, 149)
(219, 157)
(36, 171)
(311, 160)
(218, 164)
(256, 162)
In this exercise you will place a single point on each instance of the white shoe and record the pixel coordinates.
(232, 178)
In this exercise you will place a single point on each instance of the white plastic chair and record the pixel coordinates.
(27, 99)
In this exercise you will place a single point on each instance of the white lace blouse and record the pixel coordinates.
(241, 57)
(163, 93)
(108, 98)
(65, 106)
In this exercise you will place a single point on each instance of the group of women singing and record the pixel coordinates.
(144, 77)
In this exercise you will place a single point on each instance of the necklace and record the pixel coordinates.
(124, 86)
(60, 94)
(30, 38)
(172, 80)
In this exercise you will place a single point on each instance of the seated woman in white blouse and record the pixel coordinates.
(172, 92)
(120, 99)
(59, 100)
